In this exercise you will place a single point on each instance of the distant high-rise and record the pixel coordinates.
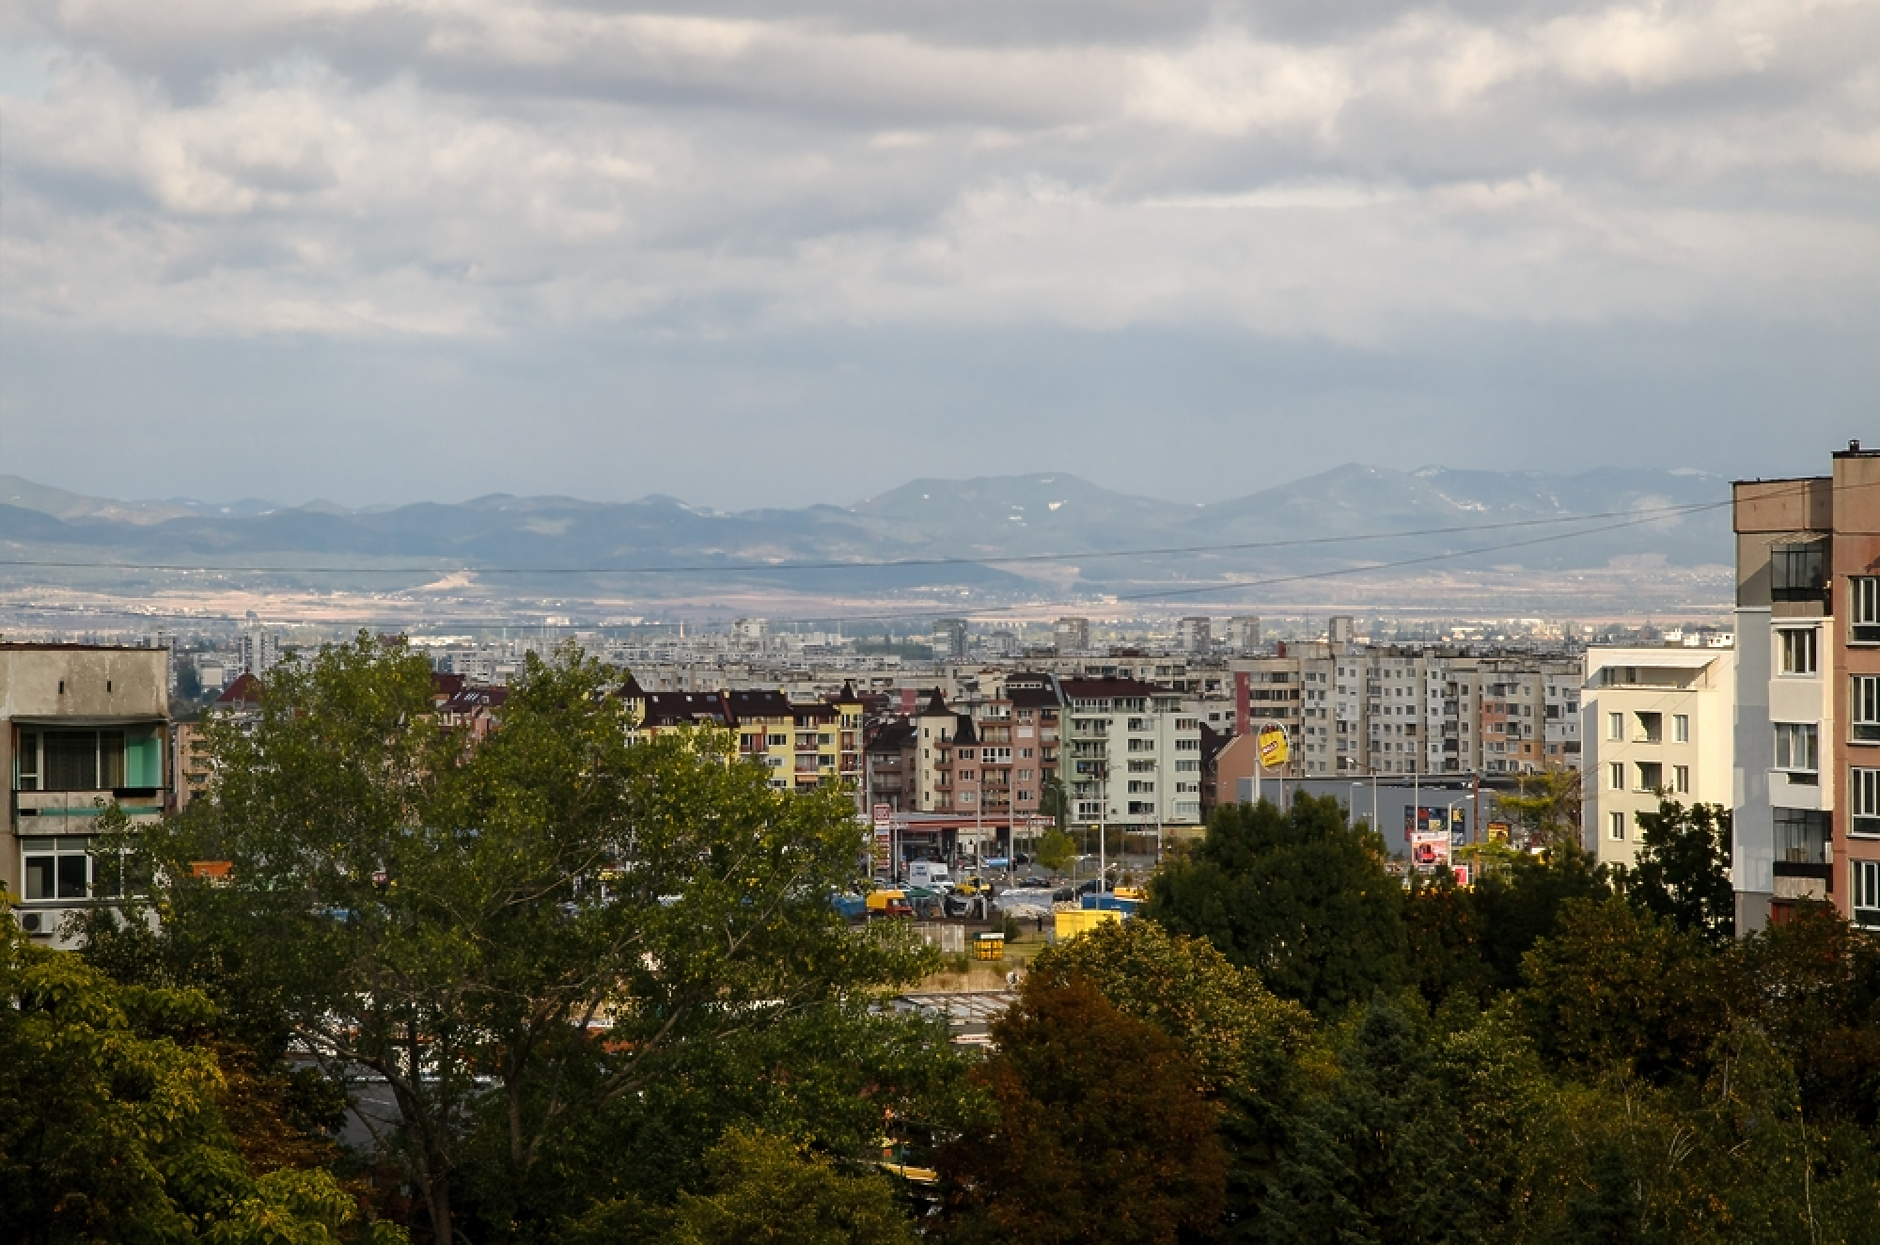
(260, 649)
(1195, 635)
(1340, 630)
(1243, 635)
(1072, 635)
(949, 639)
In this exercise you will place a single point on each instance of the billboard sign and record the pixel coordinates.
(1273, 747)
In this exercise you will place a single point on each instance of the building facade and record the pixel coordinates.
(84, 728)
(1657, 722)
(1807, 766)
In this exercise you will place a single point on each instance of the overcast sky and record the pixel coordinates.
(776, 253)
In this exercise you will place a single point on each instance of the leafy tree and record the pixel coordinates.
(1101, 1131)
(1055, 802)
(1248, 1046)
(1813, 985)
(114, 1127)
(1682, 872)
(1547, 808)
(1617, 989)
(762, 1187)
(1444, 934)
(1520, 904)
(1301, 897)
(508, 937)
(1412, 1139)
(1056, 850)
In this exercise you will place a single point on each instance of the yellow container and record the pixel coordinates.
(988, 946)
(1071, 924)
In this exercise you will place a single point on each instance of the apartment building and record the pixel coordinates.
(1657, 722)
(1195, 635)
(802, 745)
(1132, 755)
(1071, 635)
(84, 727)
(1364, 709)
(1807, 736)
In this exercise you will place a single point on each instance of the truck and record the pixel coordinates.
(927, 873)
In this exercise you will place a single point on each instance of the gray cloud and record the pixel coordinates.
(444, 189)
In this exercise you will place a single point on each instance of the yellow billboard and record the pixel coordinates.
(1273, 748)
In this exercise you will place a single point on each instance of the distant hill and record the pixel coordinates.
(532, 543)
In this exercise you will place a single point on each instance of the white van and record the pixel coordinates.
(927, 873)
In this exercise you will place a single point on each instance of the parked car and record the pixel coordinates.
(1090, 886)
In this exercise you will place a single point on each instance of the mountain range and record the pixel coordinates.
(1078, 537)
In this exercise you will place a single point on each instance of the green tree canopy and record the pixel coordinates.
(1682, 871)
(1301, 897)
(113, 1126)
(508, 937)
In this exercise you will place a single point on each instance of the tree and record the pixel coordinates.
(764, 1188)
(1682, 871)
(1248, 1046)
(502, 939)
(1056, 850)
(1547, 809)
(1054, 802)
(1301, 897)
(114, 1128)
(1101, 1131)
(1617, 990)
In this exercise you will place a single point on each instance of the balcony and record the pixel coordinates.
(47, 811)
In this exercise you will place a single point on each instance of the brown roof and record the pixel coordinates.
(685, 709)
(743, 705)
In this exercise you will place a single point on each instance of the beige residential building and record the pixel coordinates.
(85, 727)
(1657, 721)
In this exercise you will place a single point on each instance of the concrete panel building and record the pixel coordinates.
(85, 727)
(1807, 768)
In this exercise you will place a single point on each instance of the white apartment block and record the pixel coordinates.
(1132, 754)
(1657, 721)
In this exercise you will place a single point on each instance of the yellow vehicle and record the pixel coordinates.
(889, 903)
(1130, 892)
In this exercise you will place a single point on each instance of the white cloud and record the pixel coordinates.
(470, 167)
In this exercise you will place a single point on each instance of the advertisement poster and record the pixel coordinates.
(1452, 822)
(1428, 851)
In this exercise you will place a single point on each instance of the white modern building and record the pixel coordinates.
(1656, 722)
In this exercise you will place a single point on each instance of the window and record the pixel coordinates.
(57, 868)
(1866, 708)
(1863, 609)
(89, 760)
(1651, 776)
(1681, 779)
(1866, 892)
(1680, 728)
(1864, 802)
(1615, 726)
(1797, 650)
(1616, 775)
(1801, 837)
(1651, 728)
(1799, 571)
(1615, 826)
(1798, 747)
